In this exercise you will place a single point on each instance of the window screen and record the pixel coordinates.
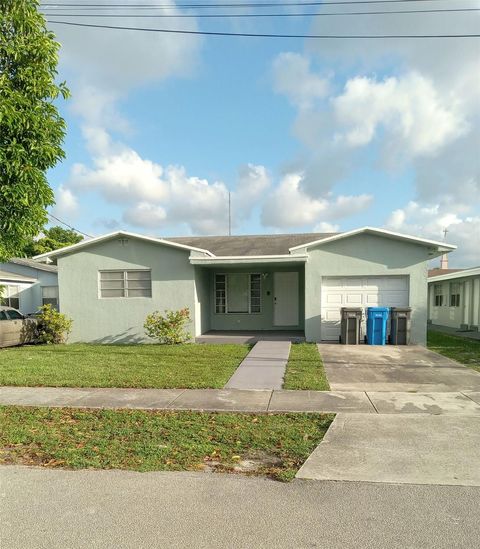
(126, 283)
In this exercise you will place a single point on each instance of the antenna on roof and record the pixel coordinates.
(229, 213)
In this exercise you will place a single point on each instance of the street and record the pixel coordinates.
(44, 508)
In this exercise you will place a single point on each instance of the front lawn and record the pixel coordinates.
(272, 445)
(466, 351)
(155, 366)
(305, 369)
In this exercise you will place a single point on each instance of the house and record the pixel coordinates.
(108, 284)
(28, 284)
(454, 298)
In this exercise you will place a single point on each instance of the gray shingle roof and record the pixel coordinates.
(270, 244)
(34, 264)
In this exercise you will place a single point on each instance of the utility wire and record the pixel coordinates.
(69, 226)
(229, 5)
(232, 15)
(265, 35)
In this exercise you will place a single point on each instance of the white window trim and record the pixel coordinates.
(125, 288)
(227, 312)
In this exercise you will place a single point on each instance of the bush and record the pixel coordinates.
(53, 327)
(168, 329)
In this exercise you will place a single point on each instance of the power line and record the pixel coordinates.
(234, 15)
(229, 5)
(266, 35)
(69, 226)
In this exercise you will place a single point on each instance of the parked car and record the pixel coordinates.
(16, 329)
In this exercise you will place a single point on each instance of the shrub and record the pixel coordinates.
(53, 327)
(168, 329)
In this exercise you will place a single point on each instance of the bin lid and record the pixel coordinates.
(378, 309)
(352, 309)
(401, 309)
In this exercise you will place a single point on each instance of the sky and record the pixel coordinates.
(306, 135)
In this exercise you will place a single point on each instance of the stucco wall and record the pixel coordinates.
(264, 319)
(30, 294)
(468, 313)
(202, 287)
(367, 255)
(111, 320)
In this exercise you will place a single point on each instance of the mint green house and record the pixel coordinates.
(276, 283)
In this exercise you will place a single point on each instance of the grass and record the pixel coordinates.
(305, 369)
(466, 351)
(271, 445)
(154, 366)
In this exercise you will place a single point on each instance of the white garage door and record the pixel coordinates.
(371, 291)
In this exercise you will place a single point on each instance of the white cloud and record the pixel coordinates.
(431, 221)
(153, 196)
(411, 104)
(293, 78)
(66, 203)
(414, 118)
(325, 227)
(289, 206)
(119, 60)
(253, 182)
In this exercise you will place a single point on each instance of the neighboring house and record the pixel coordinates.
(454, 298)
(28, 284)
(274, 282)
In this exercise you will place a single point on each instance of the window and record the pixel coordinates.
(126, 283)
(3, 315)
(455, 294)
(50, 296)
(238, 293)
(10, 297)
(438, 295)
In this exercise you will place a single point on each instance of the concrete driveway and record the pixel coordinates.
(394, 369)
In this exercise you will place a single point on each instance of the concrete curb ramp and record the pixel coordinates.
(405, 449)
(263, 367)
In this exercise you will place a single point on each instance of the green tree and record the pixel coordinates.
(31, 129)
(55, 238)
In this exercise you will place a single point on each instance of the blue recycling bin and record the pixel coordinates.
(377, 325)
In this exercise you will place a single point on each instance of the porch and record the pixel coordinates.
(249, 303)
(250, 336)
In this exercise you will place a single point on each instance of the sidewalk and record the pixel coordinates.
(253, 401)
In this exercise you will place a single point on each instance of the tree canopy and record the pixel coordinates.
(31, 129)
(53, 239)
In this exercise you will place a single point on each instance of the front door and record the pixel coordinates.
(285, 299)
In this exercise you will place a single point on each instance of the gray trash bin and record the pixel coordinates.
(400, 325)
(350, 326)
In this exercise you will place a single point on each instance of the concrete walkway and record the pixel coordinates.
(253, 401)
(398, 449)
(263, 367)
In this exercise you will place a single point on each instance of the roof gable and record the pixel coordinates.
(441, 246)
(118, 234)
